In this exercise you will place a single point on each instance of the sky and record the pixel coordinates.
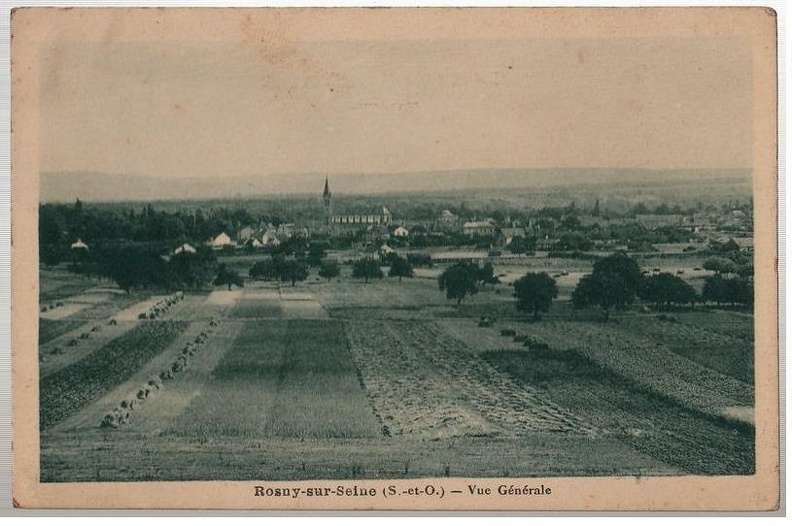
(190, 109)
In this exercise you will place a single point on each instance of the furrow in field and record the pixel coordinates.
(424, 382)
(647, 363)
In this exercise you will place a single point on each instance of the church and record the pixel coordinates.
(355, 218)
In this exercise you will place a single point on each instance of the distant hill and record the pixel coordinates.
(98, 187)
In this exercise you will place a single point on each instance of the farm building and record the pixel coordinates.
(221, 240)
(479, 228)
(79, 245)
(185, 248)
(457, 257)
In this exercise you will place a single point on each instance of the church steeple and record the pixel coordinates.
(326, 194)
(327, 204)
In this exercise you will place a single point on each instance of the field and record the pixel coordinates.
(343, 379)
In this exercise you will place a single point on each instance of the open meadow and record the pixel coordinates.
(341, 379)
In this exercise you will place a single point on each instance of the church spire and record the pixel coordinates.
(327, 203)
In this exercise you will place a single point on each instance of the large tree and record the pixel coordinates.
(535, 292)
(329, 270)
(665, 290)
(366, 268)
(228, 277)
(293, 270)
(400, 267)
(611, 285)
(459, 280)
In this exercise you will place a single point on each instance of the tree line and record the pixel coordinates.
(614, 284)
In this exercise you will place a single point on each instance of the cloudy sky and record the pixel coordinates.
(191, 109)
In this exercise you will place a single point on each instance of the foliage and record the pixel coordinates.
(317, 250)
(419, 259)
(736, 290)
(266, 269)
(666, 289)
(611, 285)
(401, 268)
(486, 274)
(720, 265)
(228, 277)
(67, 390)
(293, 270)
(535, 292)
(366, 268)
(459, 280)
(329, 270)
(573, 241)
(522, 245)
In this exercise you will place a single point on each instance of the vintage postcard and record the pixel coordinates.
(425, 259)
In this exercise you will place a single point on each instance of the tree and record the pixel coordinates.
(293, 270)
(265, 269)
(486, 274)
(611, 285)
(400, 267)
(623, 266)
(316, 252)
(459, 280)
(665, 289)
(521, 245)
(535, 292)
(193, 270)
(329, 270)
(605, 289)
(366, 268)
(735, 290)
(226, 276)
(720, 265)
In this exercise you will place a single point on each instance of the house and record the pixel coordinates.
(479, 228)
(79, 245)
(400, 231)
(457, 257)
(384, 250)
(185, 248)
(507, 234)
(270, 238)
(220, 241)
(245, 233)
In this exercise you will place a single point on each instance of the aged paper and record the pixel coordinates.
(426, 259)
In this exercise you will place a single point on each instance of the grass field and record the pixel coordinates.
(344, 379)
(289, 378)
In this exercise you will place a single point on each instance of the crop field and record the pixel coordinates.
(64, 392)
(51, 329)
(647, 421)
(388, 379)
(711, 348)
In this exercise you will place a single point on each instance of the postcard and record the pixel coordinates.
(395, 259)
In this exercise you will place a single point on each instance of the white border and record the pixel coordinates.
(785, 299)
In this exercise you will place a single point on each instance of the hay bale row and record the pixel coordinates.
(162, 306)
(122, 413)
